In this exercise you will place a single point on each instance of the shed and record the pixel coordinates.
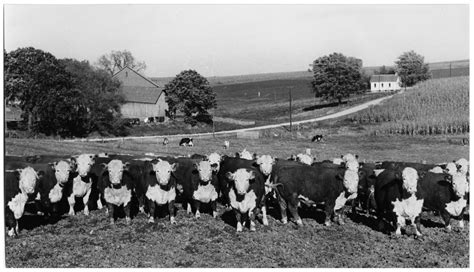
(381, 83)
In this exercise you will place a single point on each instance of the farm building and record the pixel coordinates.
(382, 83)
(143, 98)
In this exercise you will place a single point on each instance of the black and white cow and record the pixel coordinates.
(246, 192)
(317, 138)
(82, 183)
(116, 186)
(313, 185)
(444, 193)
(397, 198)
(160, 186)
(186, 142)
(20, 186)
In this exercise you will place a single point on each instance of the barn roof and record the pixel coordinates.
(383, 78)
(140, 94)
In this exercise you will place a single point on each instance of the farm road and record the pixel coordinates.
(329, 116)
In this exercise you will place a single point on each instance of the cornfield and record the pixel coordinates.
(438, 106)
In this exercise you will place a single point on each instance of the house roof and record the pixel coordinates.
(383, 78)
(12, 113)
(139, 94)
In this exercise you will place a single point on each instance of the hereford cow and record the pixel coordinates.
(82, 183)
(116, 186)
(186, 142)
(245, 194)
(397, 199)
(313, 185)
(21, 185)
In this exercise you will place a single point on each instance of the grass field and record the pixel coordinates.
(90, 242)
(438, 106)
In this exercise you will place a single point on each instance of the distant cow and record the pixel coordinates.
(317, 138)
(186, 142)
(226, 144)
(165, 141)
(247, 188)
(397, 198)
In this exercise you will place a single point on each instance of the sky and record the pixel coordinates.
(221, 40)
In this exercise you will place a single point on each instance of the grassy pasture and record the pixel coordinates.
(90, 242)
(438, 106)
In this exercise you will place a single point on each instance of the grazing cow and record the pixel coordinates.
(245, 155)
(82, 183)
(226, 144)
(200, 184)
(165, 141)
(116, 186)
(20, 186)
(160, 186)
(312, 185)
(317, 138)
(396, 198)
(445, 194)
(245, 194)
(186, 142)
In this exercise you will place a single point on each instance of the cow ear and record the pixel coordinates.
(342, 156)
(229, 175)
(255, 156)
(195, 166)
(53, 165)
(104, 165)
(40, 174)
(126, 166)
(448, 180)
(421, 175)
(361, 174)
(18, 173)
(357, 157)
(174, 166)
(237, 155)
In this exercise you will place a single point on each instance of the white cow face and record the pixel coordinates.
(215, 161)
(351, 181)
(163, 171)
(62, 170)
(460, 185)
(28, 178)
(242, 178)
(349, 157)
(205, 170)
(451, 168)
(246, 155)
(463, 165)
(352, 165)
(265, 163)
(115, 169)
(410, 179)
(304, 158)
(84, 164)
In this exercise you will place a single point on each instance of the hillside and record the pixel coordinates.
(439, 70)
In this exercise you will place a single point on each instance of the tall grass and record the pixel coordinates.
(438, 106)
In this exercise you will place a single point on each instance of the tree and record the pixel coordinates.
(31, 74)
(102, 96)
(117, 60)
(336, 76)
(384, 71)
(411, 68)
(190, 93)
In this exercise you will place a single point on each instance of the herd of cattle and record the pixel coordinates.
(396, 191)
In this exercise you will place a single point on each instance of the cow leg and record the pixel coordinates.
(111, 208)
(197, 205)
(238, 217)
(214, 208)
(72, 201)
(294, 212)
(446, 218)
(85, 200)
(151, 206)
(126, 209)
(264, 215)
(171, 211)
(252, 220)
(141, 203)
(189, 209)
(10, 221)
(400, 224)
(283, 205)
(416, 222)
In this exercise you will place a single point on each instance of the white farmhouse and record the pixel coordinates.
(383, 83)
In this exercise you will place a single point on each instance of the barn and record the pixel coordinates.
(383, 83)
(143, 98)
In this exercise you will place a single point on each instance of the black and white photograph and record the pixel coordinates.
(236, 135)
